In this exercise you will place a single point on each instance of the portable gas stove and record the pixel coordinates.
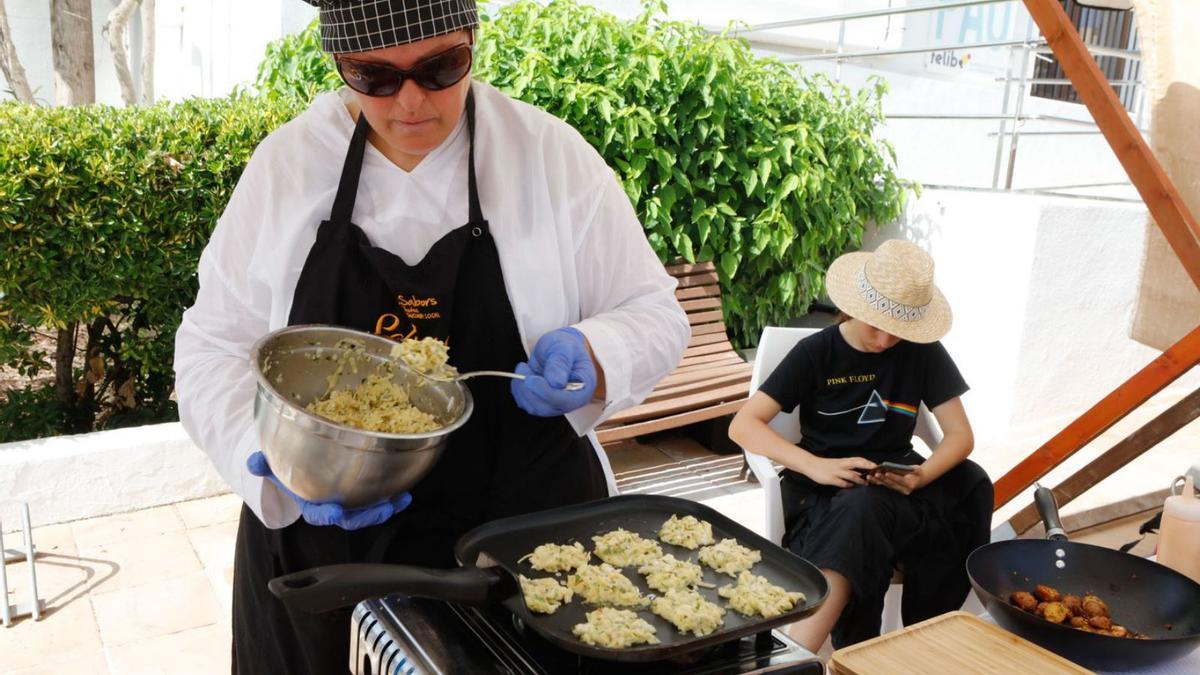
(410, 636)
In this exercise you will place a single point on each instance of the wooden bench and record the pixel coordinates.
(712, 379)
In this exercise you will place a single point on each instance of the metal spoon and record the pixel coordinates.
(571, 386)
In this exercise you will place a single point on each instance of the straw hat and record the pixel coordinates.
(891, 289)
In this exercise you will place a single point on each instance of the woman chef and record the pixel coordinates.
(457, 213)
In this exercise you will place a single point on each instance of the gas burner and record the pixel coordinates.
(409, 636)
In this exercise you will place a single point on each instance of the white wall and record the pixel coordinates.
(66, 478)
(1042, 290)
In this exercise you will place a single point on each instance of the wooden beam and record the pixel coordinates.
(1151, 434)
(1162, 199)
(1160, 372)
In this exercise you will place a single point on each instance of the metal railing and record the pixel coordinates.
(1017, 83)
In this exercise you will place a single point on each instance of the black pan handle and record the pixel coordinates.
(1048, 509)
(323, 589)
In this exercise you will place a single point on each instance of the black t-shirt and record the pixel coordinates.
(860, 404)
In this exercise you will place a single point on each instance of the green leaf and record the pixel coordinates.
(729, 264)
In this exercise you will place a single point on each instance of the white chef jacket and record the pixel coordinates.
(570, 245)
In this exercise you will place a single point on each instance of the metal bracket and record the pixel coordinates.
(35, 606)
(13, 555)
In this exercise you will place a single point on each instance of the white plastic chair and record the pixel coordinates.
(605, 464)
(774, 344)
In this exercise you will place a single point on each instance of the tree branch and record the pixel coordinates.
(114, 28)
(14, 72)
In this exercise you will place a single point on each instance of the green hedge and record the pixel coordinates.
(770, 171)
(103, 214)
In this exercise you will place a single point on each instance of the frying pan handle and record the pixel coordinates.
(323, 589)
(1048, 509)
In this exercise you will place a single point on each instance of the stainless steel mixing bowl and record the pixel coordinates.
(323, 461)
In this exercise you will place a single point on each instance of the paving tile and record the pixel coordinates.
(210, 511)
(221, 580)
(86, 664)
(214, 544)
(152, 610)
(55, 539)
(122, 527)
(66, 632)
(61, 580)
(200, 651)
(125, 564)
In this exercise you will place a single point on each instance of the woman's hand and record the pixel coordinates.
(838, 472)
(905, 484)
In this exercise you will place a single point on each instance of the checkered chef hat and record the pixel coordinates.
(363, 25)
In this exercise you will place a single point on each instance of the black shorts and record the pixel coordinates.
(865, 532)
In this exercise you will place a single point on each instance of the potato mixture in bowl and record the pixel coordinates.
(378, 403)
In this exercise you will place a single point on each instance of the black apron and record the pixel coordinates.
(502, 462)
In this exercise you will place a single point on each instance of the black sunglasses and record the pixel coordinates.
(433, 73)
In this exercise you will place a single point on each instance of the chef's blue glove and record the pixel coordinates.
(331, 513)
(560, 356)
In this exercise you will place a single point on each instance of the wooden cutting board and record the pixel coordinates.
(955, 642)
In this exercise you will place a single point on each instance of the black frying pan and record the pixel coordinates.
(489, 557)
(1141, 595)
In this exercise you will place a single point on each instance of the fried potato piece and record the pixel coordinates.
(1055, 612)
(1119, 631)
(1024, 601)
(1046, 593)
(1080, 622)
(1100, 622)
(1073, 604)
(1093, 606)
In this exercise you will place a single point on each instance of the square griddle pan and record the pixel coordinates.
(489, 556)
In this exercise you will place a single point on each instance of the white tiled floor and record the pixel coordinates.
(142, 592)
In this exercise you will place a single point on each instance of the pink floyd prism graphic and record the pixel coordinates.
(875, 410)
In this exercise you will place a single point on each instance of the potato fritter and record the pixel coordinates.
(1046, 593)
(1094, 606)
(1024, 600)
(1055, 612)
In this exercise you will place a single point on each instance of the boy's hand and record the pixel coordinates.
(838, 472)
(905, 484)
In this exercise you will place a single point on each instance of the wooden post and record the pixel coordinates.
(1151, 434)
(1160, 372)
(1152, 183)
(1169, 213)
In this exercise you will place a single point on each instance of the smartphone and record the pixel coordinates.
(894, 467)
